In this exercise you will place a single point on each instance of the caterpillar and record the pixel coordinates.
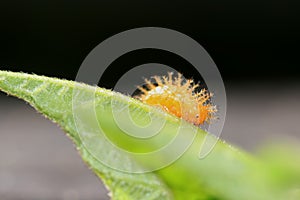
(179, 97)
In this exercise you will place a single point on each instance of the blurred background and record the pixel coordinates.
(255, 45)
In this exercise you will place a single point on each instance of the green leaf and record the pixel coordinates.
(226, 173)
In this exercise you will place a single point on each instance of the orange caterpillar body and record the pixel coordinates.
(179, 98)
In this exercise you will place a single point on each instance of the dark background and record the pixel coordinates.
(255, 45)
(248, 40)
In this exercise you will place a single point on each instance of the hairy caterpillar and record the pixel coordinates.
(179, 98)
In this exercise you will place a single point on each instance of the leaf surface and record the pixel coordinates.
(226, 173)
